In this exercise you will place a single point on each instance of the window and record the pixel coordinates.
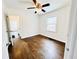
(51, 24)
(13, 23)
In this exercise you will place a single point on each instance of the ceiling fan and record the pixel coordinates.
(38, 6)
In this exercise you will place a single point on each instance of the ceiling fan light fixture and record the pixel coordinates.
(38, 6)
(38, 10)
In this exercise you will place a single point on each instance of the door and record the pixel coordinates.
(12, 27)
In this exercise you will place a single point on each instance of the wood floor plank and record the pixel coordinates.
(36, 47)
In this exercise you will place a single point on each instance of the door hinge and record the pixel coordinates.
(67, 49)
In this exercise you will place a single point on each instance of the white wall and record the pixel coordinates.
(28, 22)
(29, 25)
(62, 24)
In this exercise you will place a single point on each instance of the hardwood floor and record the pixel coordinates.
(37, 47)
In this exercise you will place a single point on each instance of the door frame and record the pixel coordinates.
(5, 41)
(72, 33)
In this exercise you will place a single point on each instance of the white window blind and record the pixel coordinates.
(51, 24)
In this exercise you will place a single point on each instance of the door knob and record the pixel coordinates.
(7, 44)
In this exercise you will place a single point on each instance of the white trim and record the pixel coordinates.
(72, 33)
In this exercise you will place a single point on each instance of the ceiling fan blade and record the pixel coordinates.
(45, 5)
(43, 10)
(31, 8)
(35, 2)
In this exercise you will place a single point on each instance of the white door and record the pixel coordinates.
(5, 40)
(13, 27)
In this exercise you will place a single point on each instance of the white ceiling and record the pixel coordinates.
(23, 4)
